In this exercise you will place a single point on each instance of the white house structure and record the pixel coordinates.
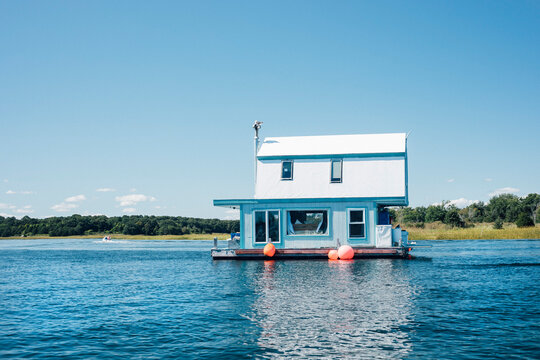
(315, 193)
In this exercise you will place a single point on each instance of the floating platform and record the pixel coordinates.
(295, 254)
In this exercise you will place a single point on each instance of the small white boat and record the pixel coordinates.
(106, 238)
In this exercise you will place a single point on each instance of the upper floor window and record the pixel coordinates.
(336, 171)
(286, 170)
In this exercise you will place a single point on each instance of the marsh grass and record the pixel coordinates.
(431, 231)
(483, 231)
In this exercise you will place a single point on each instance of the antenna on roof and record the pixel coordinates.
(409, 133)
(257, 126)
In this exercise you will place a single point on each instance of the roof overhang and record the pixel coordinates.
(329, 156)
(387, 201)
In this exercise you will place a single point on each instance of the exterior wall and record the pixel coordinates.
(368, 177)
(337, 225)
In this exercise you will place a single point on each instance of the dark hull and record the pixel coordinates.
(257, 254)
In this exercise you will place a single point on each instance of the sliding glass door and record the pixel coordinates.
(267, 226)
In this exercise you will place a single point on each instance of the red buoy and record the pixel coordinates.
(269, 250)
(333, 255)
(345, 252)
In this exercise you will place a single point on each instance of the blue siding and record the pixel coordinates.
(337, 224)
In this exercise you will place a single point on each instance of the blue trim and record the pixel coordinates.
(315, 237)
(328, 156)
(332, 181)
(255, 244)
(401, 200)
(406, 175)
(292, 170)
(366, 227)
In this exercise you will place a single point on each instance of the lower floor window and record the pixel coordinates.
(266, 226)
(307, 222)
(357, 223)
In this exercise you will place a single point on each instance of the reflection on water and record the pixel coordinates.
(332, 308)
(167, 299)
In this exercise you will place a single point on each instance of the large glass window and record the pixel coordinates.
(336, 171)
(286, 170)
(307, 222)
(266, 226)
(357, 223)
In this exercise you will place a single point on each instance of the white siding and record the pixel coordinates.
(362, 177)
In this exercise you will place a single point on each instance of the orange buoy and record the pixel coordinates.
(269, 250)
(345, 252)
(333, 255)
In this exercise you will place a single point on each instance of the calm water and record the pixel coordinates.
(83, 299)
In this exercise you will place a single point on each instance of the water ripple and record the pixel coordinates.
(80, 299)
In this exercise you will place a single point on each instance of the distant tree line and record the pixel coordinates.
(128, 225)
(523, 211)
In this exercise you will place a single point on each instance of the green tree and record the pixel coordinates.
(505, 207)
(436, 212)
(531, 204)
(453, 218)
(524, 220)
(498, 224)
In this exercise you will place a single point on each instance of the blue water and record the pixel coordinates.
(83, 299)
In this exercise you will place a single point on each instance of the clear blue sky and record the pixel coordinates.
(154, 100)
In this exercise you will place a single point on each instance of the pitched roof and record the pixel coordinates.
(333, 145)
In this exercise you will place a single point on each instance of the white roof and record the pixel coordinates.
(333, 145)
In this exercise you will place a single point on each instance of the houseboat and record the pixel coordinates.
(314, 194)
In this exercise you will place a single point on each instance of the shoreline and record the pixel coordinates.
(414, 235)
(192, 237)
(431, 231)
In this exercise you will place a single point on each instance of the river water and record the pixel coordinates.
(83, 299)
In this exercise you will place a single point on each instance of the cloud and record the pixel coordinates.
(6, 180)
(133, 199)
(5, 215)
(24, 192)
(7, 206)
(64, 207)
(504, 190)
(69, 203)
(25, 210)
(129, 210)
(105, 190)
(75, 198)
(462, 202)
(451, 180)
(488, 179)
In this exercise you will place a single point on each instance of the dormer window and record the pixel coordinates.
(286, 170)
(336, 170)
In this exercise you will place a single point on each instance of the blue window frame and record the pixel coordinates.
(267, 226)
(357, 223)
(286, 170)
(307, 222)
(336, 171)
